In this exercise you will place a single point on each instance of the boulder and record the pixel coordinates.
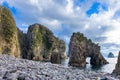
(80, 48)
(111, 55)
(9, 43)
(117, 67)
(42, 42)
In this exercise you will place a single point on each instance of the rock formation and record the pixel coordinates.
(42, 44)
(38, 44)
(111, 55)
(8, 34)
(80, 48)
(117, 67)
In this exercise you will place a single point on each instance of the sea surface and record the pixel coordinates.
(108, 68)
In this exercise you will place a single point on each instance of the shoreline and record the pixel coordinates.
(17, 69)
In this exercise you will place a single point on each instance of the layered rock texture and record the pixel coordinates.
(80, 48)
(43, 45)
(9, 43)
(117, 67)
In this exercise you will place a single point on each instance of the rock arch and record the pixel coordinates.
(80, 48)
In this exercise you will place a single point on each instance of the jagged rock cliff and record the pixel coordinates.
(117, 67)
(8, 34)
(80, 48)
(42, 44)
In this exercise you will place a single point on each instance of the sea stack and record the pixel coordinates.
(80, 48)
(43, 45)
(117, 67)
(9, 43)
(111, 55)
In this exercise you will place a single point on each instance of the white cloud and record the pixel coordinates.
(52, 24)
(1, 1)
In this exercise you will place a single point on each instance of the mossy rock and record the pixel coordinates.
(42, 41)
(8, 33)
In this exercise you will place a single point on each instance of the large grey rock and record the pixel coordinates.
(80, 48)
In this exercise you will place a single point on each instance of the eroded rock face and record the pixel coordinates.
(117, 67)
(42, 42)
(8, 34)
(80, 48)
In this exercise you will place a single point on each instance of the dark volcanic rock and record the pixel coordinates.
(117, 67)
(80, 48)
(42, 42)
(111, 55)
(9, 43)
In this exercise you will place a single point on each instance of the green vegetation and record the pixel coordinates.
(37, 40)
(46, 42)
(9, 26)
(41, 36)
(80, 37)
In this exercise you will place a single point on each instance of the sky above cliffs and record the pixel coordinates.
(99, 20)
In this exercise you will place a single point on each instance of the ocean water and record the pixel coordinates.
(108, 68)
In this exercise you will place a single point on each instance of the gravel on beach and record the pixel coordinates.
(21, 69)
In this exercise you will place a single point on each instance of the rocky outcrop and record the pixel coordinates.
(111, 55)
(8, 34)
(38, 44)
(117, 67)
(42, 44)
(80, 48)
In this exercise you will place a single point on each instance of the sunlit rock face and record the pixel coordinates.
(42, 44)
(9, 43)
(117, 67)
(80, 48)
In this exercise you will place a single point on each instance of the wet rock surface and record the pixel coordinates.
(80, 48)
(22, 69)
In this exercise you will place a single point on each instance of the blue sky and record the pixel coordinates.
(99, 20)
